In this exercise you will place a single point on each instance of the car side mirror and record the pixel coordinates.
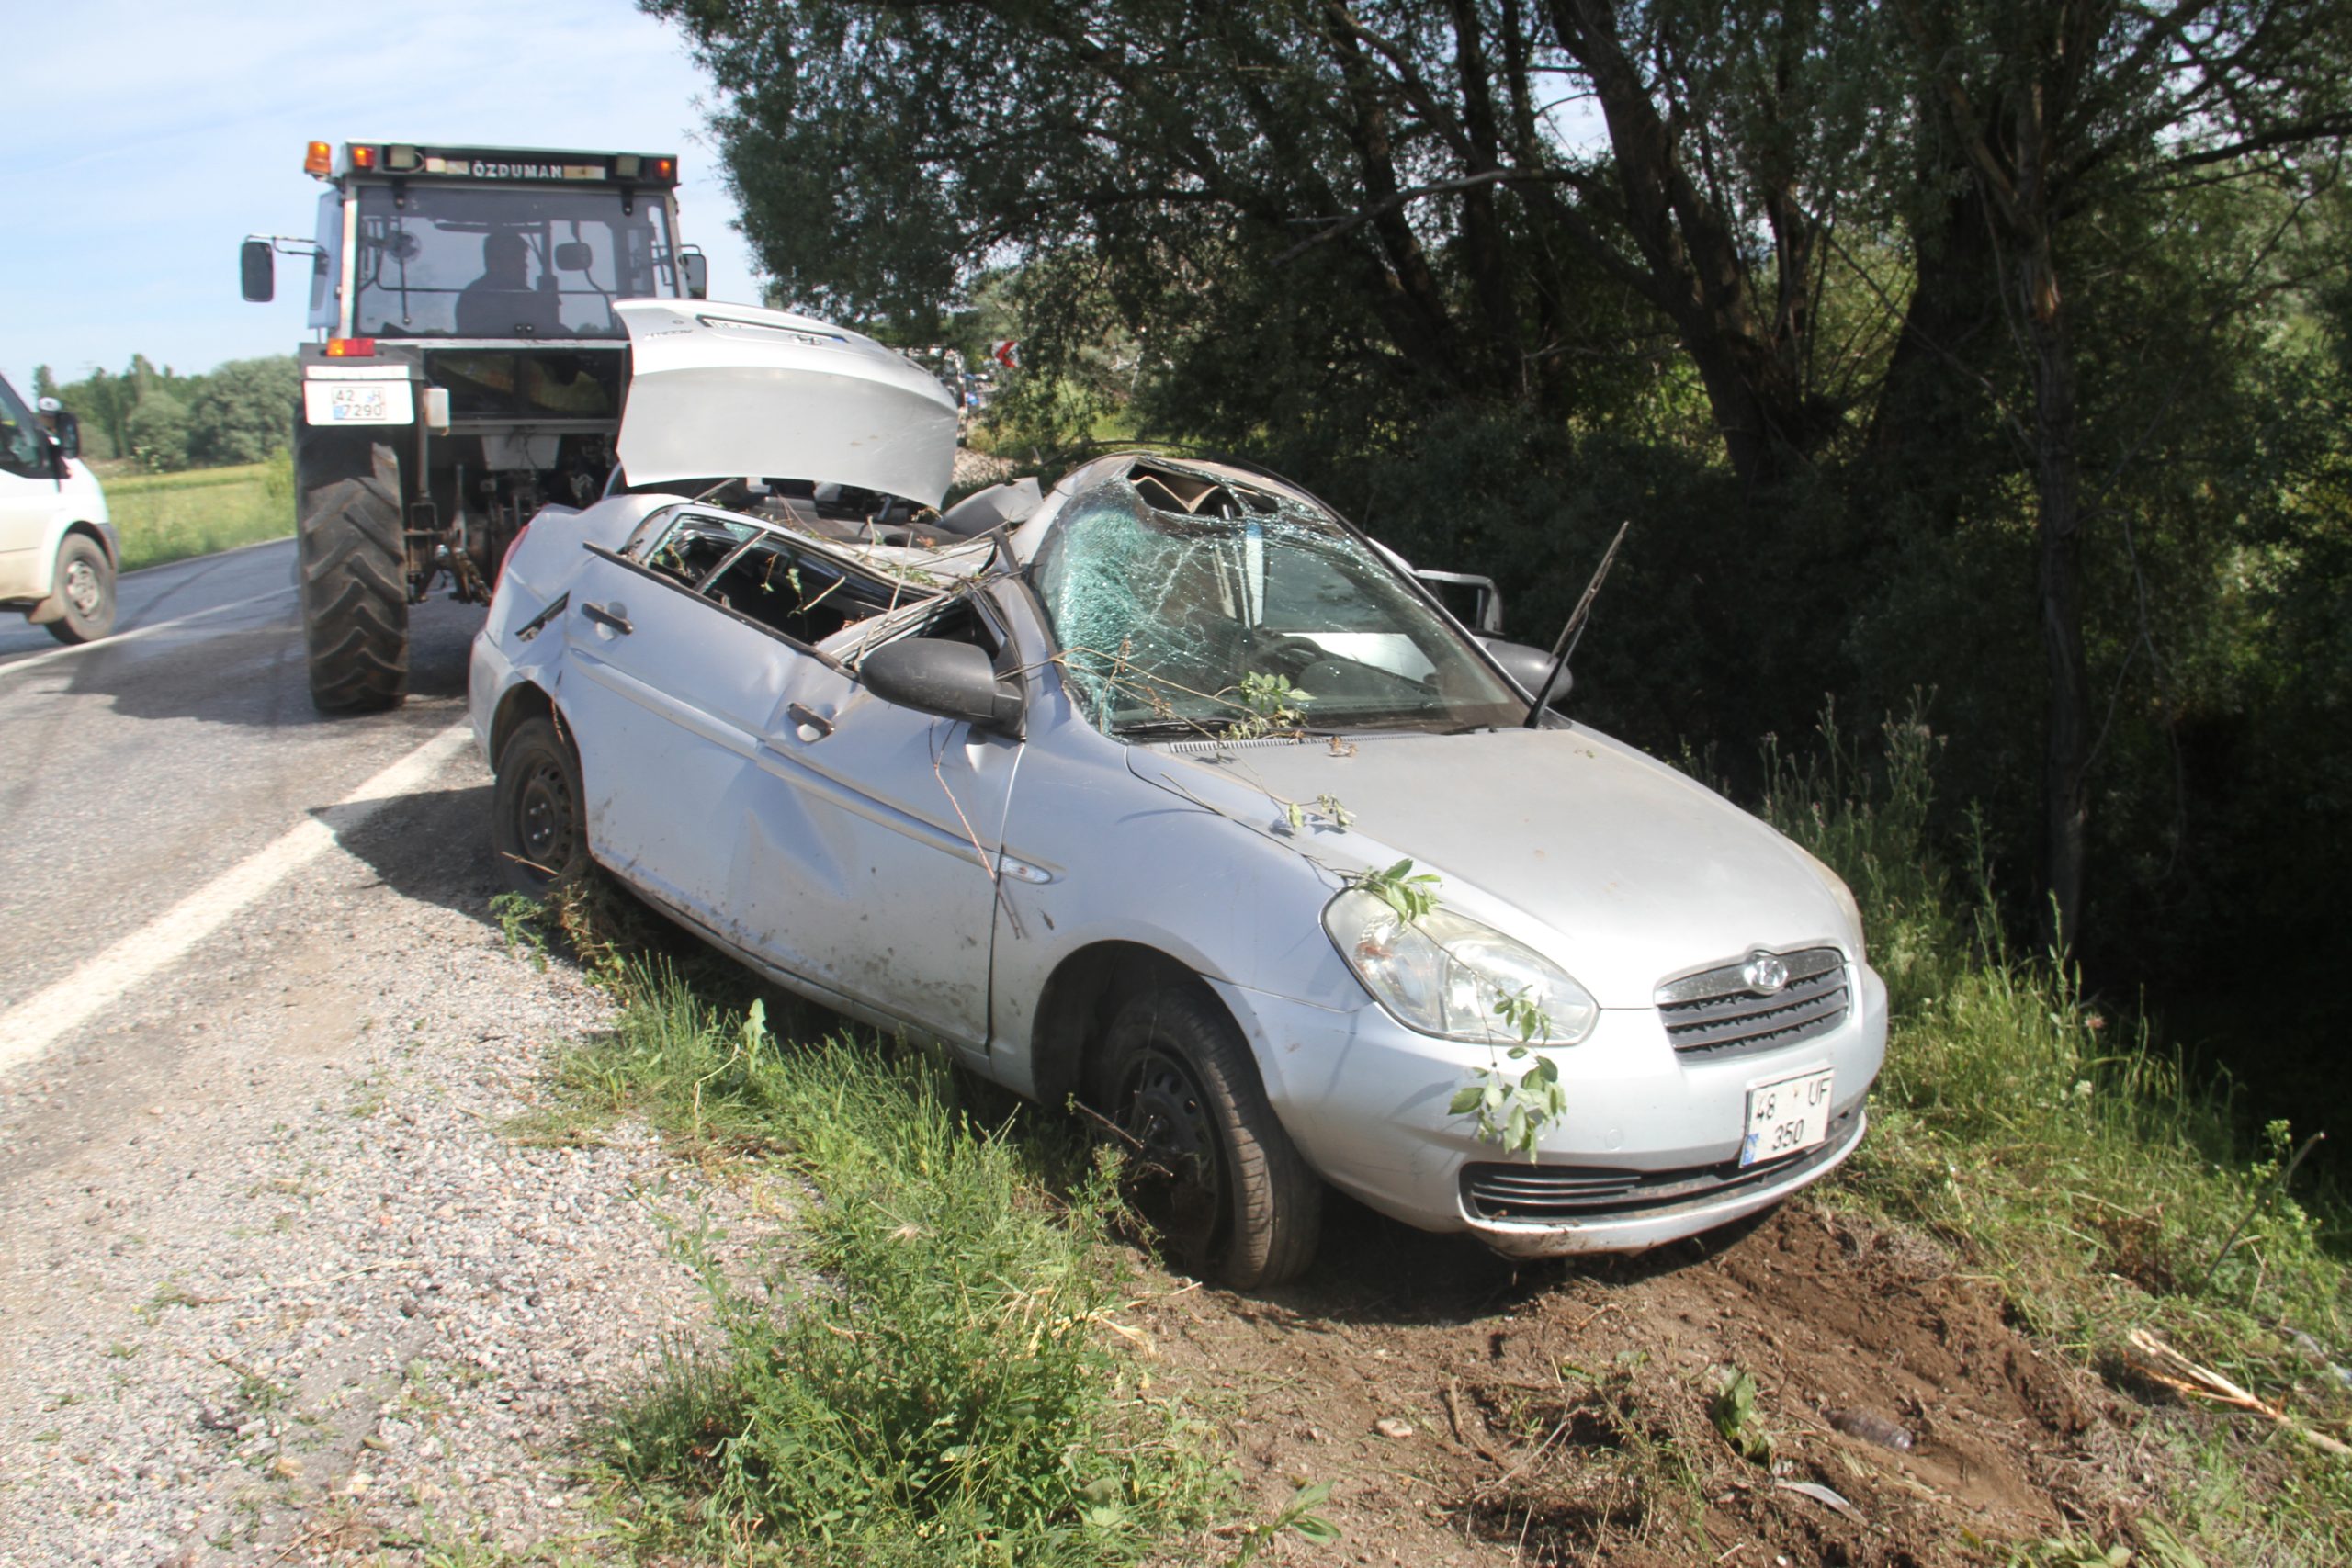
(64, 426)
(573, 256)
(1530, 667)
(695, 267)
(953, 679)
(259, 272)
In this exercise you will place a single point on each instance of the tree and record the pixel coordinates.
(2034, 115)
(242, 411)
(157, 430)
(1384, 176)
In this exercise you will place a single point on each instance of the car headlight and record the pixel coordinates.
(1443, 973)
(1846, 903)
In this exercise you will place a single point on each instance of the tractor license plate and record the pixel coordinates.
(1786, 1117)
(359, 405)
(357, 402)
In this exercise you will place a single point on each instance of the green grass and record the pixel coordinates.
(2075, 1160)
(169, 517)
(945, 1387)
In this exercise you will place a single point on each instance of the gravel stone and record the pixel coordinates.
(287, 1286)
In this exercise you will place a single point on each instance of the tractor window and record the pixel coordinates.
(500, 263)
(326, 268)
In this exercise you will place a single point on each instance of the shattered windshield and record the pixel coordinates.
(1169, 591)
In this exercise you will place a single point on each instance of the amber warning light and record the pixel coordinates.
(319, 160)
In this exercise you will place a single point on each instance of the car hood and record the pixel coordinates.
(1626, 872)
(735, 390)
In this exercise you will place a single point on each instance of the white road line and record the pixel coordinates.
(32, 1026)
(122, 637)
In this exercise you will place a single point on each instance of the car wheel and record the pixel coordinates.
(1212, 1172)
(85, 589)
(538, 824)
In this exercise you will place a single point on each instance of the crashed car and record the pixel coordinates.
(1167, 791)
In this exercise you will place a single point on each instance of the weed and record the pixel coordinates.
(1297, 1515)
(524, 924)
(947, 1396)
(1736, 1420)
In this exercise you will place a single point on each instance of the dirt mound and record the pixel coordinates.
(1471, 1412)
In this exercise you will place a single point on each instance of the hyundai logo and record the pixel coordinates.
(1765, 973)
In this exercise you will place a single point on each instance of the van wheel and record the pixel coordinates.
(536, 823)
(85, 588)
(1215, 1176)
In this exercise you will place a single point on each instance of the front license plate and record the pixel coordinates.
(1787, 1117)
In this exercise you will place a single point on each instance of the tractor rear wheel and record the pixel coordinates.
(354, 576)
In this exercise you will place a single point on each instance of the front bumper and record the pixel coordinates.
(1646, 1154)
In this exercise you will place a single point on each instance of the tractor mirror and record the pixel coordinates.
(259, 272)
(695, 268)
(573, 256)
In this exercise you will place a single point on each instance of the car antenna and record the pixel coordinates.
(1566, 647)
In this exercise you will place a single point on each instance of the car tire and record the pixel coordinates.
(354, 576)
(84, 588)
(538, 826)
(1217, 1176)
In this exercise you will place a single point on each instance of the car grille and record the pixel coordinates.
(1540, 1192)
(1721, 1013)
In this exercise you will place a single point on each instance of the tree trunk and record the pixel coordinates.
(2057, 475)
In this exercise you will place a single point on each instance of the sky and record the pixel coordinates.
(145, 139)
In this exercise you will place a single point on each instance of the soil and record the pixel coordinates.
(1469, 1411)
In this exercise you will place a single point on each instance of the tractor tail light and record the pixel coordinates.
(351, 348)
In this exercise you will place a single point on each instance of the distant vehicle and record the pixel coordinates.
(58, 547)
(468, 369)
(980, 776)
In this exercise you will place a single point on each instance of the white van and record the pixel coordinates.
(58, 547)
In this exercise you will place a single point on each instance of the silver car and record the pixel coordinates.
(1169, 791)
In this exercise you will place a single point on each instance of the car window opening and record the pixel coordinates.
(1166, 589)
(757, 573)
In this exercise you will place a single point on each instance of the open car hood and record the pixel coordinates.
(736, 391)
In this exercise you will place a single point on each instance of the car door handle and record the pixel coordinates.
(615, 618)
(812, 725)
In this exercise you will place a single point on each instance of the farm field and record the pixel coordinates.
(169, 517)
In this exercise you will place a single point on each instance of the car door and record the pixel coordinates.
(871, 857)
(668, 693)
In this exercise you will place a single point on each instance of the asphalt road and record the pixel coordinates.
(277, 1282)
(136, 770)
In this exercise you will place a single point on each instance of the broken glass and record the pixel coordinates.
(1167, 588)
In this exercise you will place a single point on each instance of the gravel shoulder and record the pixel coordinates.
(279, 1282)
